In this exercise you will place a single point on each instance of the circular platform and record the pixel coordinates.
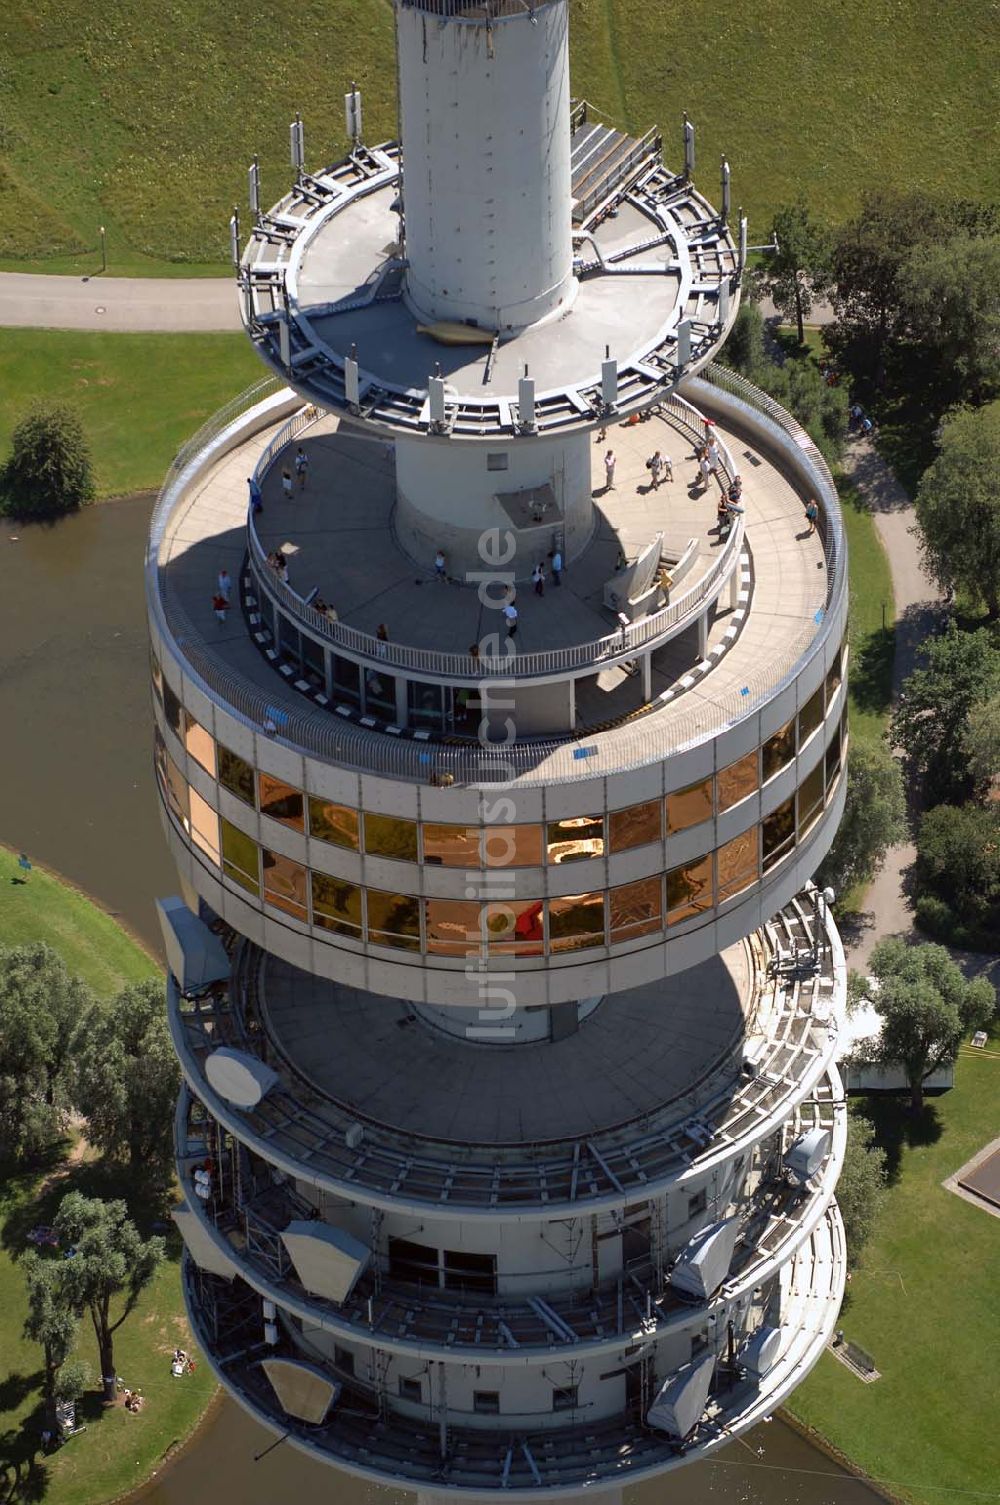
(639, 1052)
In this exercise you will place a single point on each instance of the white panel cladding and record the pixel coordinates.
(476, 197)
(341, 785)
(328, 1261)
(283, 762)
(200, 1245)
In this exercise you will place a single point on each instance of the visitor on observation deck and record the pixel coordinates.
(440, 567)
(256, 500)
(382, 634)
(224, 583)
(286, 483)
(510, 617)
(538, 579)
(609, 470)
(220, 606)
(655, 467)
(812, 516)
(301, 466)
(556, 565)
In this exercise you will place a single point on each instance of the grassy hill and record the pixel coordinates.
(144, 118)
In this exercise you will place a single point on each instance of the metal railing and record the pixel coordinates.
(287, 716)
(474, 10)
(577, 658)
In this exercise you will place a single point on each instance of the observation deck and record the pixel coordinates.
(633, 1141)
(322, 275)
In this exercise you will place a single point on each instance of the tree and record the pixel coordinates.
(958, 874)
(799, 269)
(73, 1379)
(49, 470)
(110, 1260)
(959, 670)
(958, 506)
(128, 1079)
(948, 293)
(981, 743)
(927, 1008)
(51, 1321)
(862, 1184)
(873, 819)
(744, 349)
(41, 1010)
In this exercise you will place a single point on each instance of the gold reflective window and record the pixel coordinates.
(690, 806)
(636, 909)
(284, 884)
(281, 801)
(239, 857)
(204, 825)
(512, 846)
(172, 782)
(337, 824)
(635, 826)
(575, 837)
(833, 676)
(810, 716)
(236, 775)
(832, 762)
(391, 836)
(778, 751)
(778, 833)
(393, 920)
(689, 890)
(576, 921)
(453, 927)
(451, 846)
(172, 710)
(336, 905)
(737, 781)
(516, 927)
(811, 792)
(199, 743)
(738, 863)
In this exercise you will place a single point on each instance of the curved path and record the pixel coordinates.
(141, 305)
(918, 603)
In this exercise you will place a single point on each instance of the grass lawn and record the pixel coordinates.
(144, 119)
(139, 395)
(924, 1304)
(90, 942)
(118, 1450)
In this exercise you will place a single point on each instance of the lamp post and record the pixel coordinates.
(104, 249)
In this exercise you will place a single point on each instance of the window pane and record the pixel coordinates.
(346, 680)
(336, 905)
(689, 890)
(380, 694)
(390, 836)
(636, 909)
(204, 825)
(451, 846)
(810, 716)
(284, 884)
(738, 864)
(199, 743)
(487, 1402)
(426, 704)
(778, 833)
(512, 846)
(635, 826)
(337, 824)
(415, 1263)
(576, 921)
(393, 920)
(280, 801)
(832, 762)
(172, 782)
(470, 1272)
(453, 926)
(239, 857)
(833, 676)
(516, 927)
(811, 797)
(737, 781)
(779, 750)
(575, 837)
(564, 1399)
(157, 673)
(172, 709)
(236, 775)
(690, 806)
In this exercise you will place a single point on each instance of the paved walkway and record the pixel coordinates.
(918, 603)
(145, 305)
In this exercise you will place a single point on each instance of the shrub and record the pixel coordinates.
(958, 874)
(48, 472)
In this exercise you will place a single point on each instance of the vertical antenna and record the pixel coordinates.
(688, 148)
(297, 141)
(253, 188)
(725, 190)
(352, 114)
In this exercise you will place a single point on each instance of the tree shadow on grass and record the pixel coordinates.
(871, 671)
(16, 1387)
(148, 1203)
(24, 1474)
(896, 1128)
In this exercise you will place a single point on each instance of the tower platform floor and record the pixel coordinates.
(639, 1053)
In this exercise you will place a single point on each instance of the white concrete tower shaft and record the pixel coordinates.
(485, 128)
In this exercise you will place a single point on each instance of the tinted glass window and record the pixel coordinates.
(576, 922)
(281, 801)
(239, 857)
(737, 781)
(574, 837)
(337, 824)
(810, 716)
(738, 863)
(635, 826)
(236, 775)
(636, 909)
(778, 751)
(391, 836)
(516, 927)
(336, 905)
(690, 806)
(199, 743)
(393, 920)
(811, 792)
(689, 890)
(284, 884)
(778, 833)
